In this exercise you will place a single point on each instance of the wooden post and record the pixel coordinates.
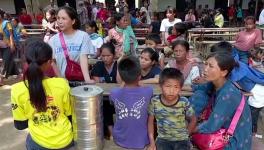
(256, 9)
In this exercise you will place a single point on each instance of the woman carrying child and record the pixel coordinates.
(149, 69)
(168, 22)
(51, 26)
(42, 104)
(97, 40)
(122, 36)
(178, 33)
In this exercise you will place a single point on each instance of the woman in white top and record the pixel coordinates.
(189, 69)
(78, 43)
(168, 22)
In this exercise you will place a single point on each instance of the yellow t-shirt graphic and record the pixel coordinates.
(51, 129)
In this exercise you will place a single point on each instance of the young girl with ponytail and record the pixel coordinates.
(42, 104)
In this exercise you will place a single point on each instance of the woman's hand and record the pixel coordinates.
(199, 80)
(89, 81)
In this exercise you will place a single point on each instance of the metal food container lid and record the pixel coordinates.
(86, 91)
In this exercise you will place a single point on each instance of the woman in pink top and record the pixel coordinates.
(247, 39)
(190, 17)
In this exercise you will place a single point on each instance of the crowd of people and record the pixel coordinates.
(41, 102)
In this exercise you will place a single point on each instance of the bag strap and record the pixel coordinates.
(236, 117)
(63, 44)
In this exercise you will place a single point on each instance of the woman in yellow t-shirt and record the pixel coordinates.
(219, 19)
(42, 104)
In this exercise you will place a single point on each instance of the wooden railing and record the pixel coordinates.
(140, 33)
(202, 38)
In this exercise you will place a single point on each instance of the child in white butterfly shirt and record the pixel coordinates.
(131, 105)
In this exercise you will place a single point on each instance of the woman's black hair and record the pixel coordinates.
(183, 43)
(222, 46)
(37, 53)
(225, 61)
(2, 13)
(181, 28)
(118, 16)
(52, 12)
(154, 56)
(170, 30)
(108, 46)
(73, 15)
(250, 18)
(171, 10)
(93, 24)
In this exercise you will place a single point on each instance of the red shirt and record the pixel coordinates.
(231, 12)
(171, 37)
(39, 18)
(25, 19)
(102, 14)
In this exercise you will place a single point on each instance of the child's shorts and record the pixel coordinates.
(122, 148)
(163, 144)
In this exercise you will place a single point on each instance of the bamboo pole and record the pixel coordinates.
(256, 10)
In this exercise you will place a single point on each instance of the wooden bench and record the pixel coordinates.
(211, 32)
(140, 33)
(204, 47)
(202, 38)
(33, 26)
(35, 32)
(141, 47)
